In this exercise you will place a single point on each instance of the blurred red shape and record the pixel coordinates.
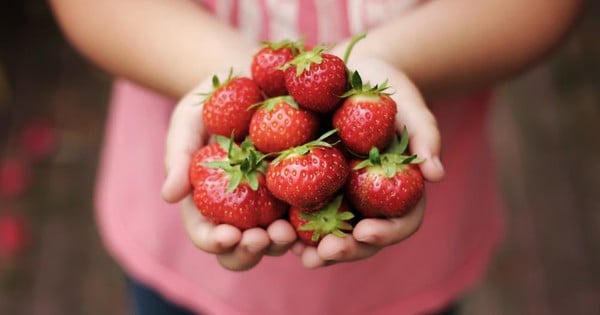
(14, 176)
(14, 235)
(38, 139)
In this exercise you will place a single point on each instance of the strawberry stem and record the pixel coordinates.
(353, 42)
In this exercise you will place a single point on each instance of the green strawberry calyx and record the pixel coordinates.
(305, 60)
(243, 163)
(216, 84)
(358, 87)
(392, 160)
(296, 47)
(305, 148)
(327, 220)
(270, 103)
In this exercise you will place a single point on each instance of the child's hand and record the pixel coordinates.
(371, 235)
(234, 249)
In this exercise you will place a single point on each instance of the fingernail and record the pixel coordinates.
(253, 249)
(365, 238)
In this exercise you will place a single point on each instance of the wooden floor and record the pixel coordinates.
(545, 127)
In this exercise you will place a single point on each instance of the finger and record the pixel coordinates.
(186, 134)
(310, 258)
(282, 236)
(424, 135)
(248, 252)
(176, 185)
(343, 249)
(385, 232)
(298, 248)
(205, 235)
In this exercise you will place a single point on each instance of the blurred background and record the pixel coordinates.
(546, 131)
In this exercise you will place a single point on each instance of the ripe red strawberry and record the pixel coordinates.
(266, 66)
(316, 80)
(228, 108)
(208, 153)
(333, 218)
(234, 192)
(386, 185)
(279, 124)
(308, 175)
(366, 118)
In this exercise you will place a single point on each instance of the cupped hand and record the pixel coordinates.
(371, 235)
(234, 249)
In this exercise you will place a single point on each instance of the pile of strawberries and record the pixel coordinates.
(304, 139)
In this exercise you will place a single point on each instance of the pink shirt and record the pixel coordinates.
(463, 222)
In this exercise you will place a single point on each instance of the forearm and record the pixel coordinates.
(166, 45)
(453, 46)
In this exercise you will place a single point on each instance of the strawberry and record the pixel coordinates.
(208, 153)
(235, 192)
(228, 108)
(306, 176)
(266, 64)
(366, 118)
(386, 185)
(279, 124)
(316, 80)
(333, 218)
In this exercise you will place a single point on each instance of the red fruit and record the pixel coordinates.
(312, 227)
(308, 175)
(387, 185)
(232, 190)
(366, 118)
(279, 124)
(15, 177)
(14, 235)
(316, 80)
(38, 139)
(229, 107)
(266, 66)
(244, 207)
(208, 153)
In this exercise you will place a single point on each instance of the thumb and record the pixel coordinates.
(176, 185)
(423, 133)
(185, 135)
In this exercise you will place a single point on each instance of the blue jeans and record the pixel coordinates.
(146, 301)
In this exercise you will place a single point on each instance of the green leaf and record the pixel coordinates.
(316, 235)
(409, 159)
(362, 164)
(374, 156)
(235, 180)
(345, 216)
(217, 164)
(247, 144)
(403, 140)
(399, 146)
(308, 226)
(356, 81)
(215, 81)
(345, 226)
(389, 169)
(332, 208)
(223, 142)
(252, 180)
(338, 233)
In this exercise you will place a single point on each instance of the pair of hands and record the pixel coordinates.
(242, 250)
